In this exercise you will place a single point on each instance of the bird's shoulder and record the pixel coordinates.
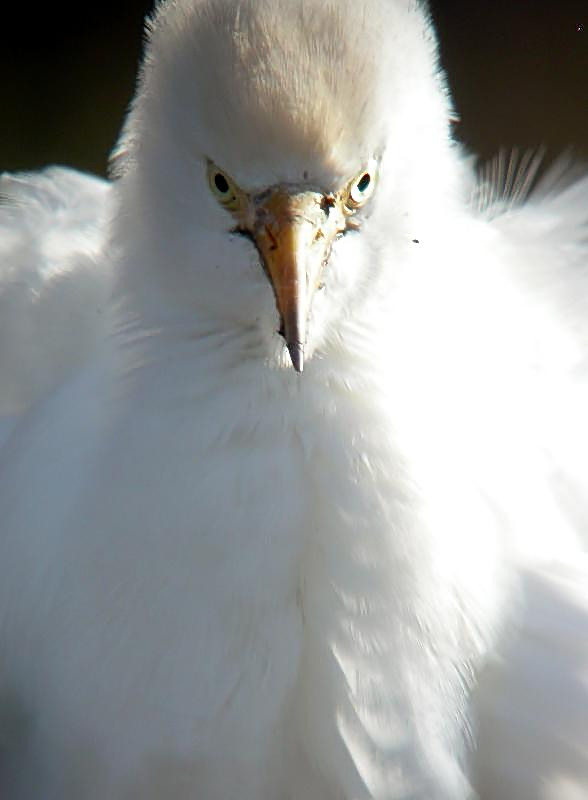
(537, 243)
(54, 279)
(542, 221)
(56, 202)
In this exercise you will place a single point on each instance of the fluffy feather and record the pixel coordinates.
(245, 583)
(52, 291)
(531, 699)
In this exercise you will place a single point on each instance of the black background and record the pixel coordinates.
(518, 70)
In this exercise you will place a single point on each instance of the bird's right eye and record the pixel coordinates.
(224, 188)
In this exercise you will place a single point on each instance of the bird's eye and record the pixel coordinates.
(360, 189)
(221, 184)
(224, 188)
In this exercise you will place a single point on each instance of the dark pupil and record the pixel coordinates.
(221, 183)
(364, 182)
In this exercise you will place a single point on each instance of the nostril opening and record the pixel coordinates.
(272, 238)
(327, 203)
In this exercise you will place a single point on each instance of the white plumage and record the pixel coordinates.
(54, 285)
(221, 579)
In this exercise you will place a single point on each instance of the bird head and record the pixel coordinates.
(273, 152)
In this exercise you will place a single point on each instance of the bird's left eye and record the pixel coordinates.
(224, 188)
(360, 189)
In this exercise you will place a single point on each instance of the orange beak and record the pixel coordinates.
(294, 233)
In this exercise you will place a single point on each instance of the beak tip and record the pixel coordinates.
(296, 350)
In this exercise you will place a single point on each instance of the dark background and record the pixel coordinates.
(518, 70)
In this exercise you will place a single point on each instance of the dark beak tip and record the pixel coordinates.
(296, 350)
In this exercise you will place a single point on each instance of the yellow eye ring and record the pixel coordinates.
(224, 188)
(361, 188)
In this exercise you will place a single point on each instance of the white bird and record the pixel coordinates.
(299, 514)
